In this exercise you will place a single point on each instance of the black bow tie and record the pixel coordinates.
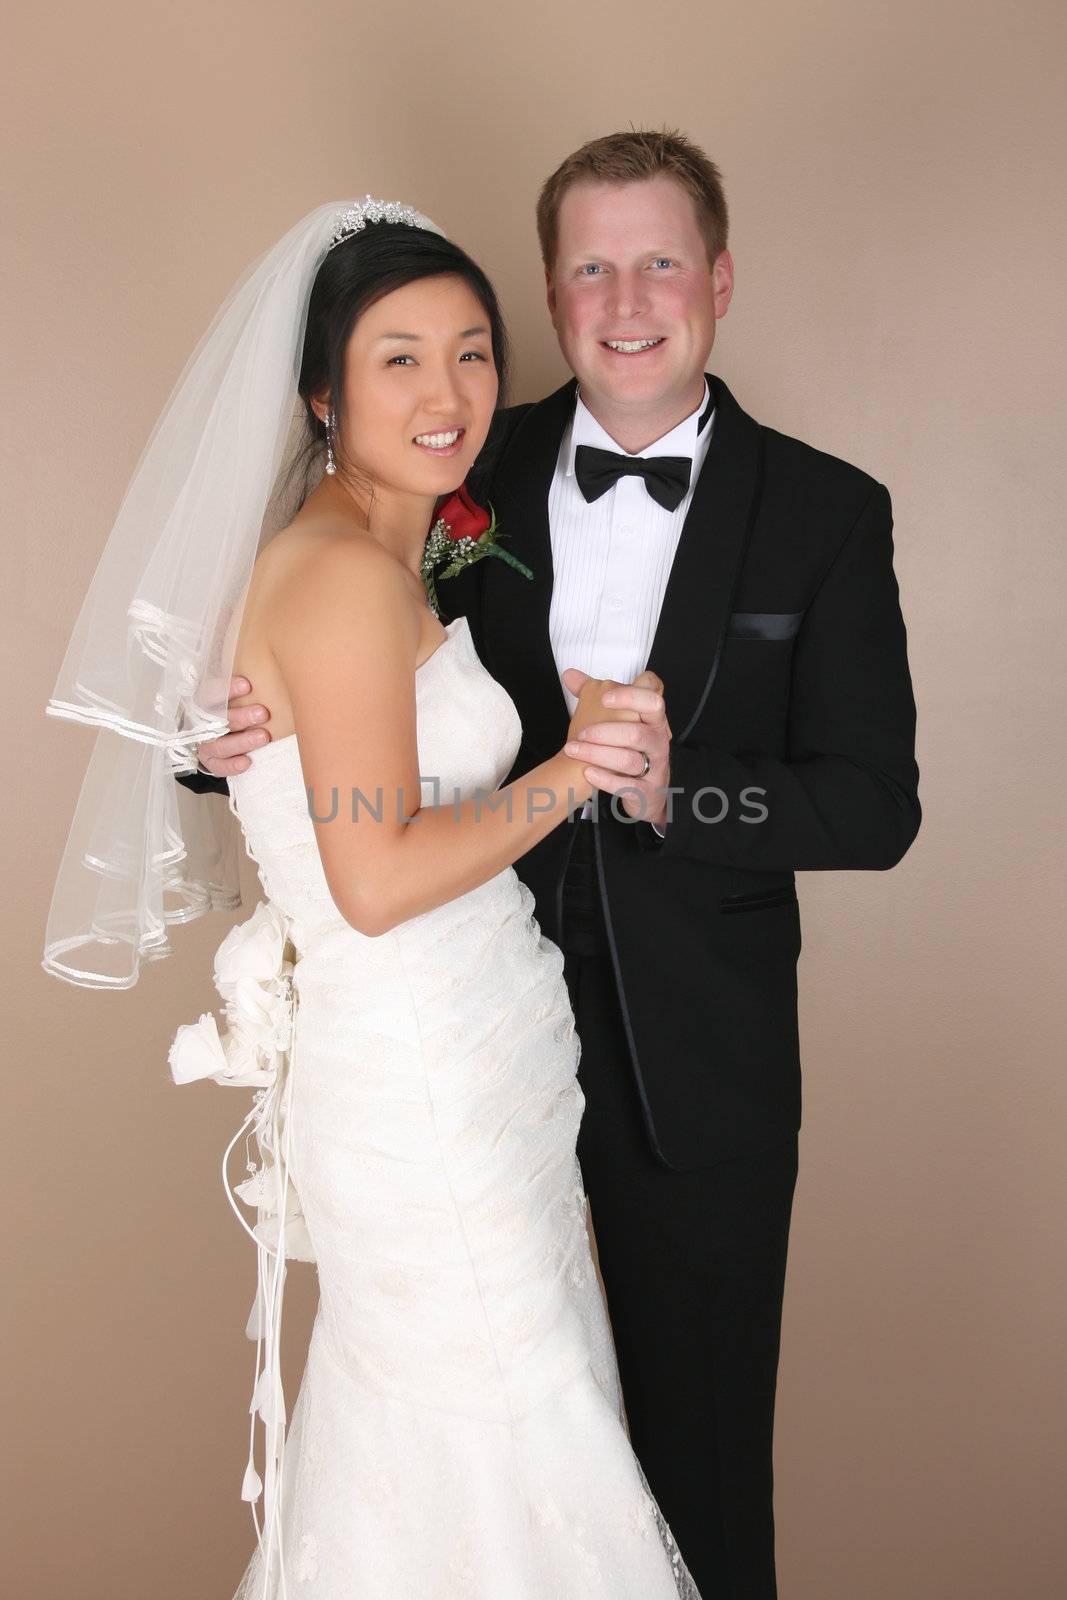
(666, 477)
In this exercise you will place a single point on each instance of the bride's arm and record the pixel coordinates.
(345, 641)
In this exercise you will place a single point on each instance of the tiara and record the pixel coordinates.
(354, 218)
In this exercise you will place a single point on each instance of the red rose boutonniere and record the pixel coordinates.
(463, 532)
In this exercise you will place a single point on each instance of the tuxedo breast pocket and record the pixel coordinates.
(770, 627)
(753, 676)
(760, 899)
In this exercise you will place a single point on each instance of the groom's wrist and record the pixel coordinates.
(660, 810)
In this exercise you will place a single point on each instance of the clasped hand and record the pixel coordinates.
(613, 723)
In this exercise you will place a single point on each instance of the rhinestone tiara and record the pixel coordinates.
(355, 217)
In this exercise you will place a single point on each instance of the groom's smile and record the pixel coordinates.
(632, 347)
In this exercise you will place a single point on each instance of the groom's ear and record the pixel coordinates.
(550, 293)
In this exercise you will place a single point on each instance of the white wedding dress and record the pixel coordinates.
(458, 1434)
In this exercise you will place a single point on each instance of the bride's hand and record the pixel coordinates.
(226, 756)
(618, 757)
(591, 708)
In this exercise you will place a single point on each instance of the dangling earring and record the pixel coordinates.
(331, 466)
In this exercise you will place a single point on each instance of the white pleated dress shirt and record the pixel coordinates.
(612, 558)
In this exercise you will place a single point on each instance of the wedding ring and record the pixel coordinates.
(647, 766)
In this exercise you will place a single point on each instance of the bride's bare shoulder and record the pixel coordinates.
(312, 539)
(306, 562)
(315, 591)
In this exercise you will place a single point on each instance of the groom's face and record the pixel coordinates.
(632, 270)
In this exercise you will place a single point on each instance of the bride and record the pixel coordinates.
(459, 1428)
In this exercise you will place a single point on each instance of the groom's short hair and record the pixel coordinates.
(628, 158)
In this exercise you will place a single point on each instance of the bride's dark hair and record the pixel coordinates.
(355, 274)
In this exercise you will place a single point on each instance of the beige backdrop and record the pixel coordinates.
(898, 233)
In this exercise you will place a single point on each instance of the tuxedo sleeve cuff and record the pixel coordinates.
(689, 768)
(202, 782)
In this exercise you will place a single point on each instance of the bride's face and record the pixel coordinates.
(420, 387)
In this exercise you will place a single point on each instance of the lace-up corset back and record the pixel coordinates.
(468, 737)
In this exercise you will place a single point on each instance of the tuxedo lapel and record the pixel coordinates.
(515, 609)
(698, 598)
(711, 550)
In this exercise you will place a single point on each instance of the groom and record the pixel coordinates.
(668, 530)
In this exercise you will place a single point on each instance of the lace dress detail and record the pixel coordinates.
(458, 1433)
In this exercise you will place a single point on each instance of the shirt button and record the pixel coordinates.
(614, 603)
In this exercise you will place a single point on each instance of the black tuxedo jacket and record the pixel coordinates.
(783, 654)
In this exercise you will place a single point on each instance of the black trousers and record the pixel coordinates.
(694, 1268)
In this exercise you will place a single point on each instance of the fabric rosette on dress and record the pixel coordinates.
(254, 975)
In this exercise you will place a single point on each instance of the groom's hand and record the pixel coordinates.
(613, 749)
(226, 756)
